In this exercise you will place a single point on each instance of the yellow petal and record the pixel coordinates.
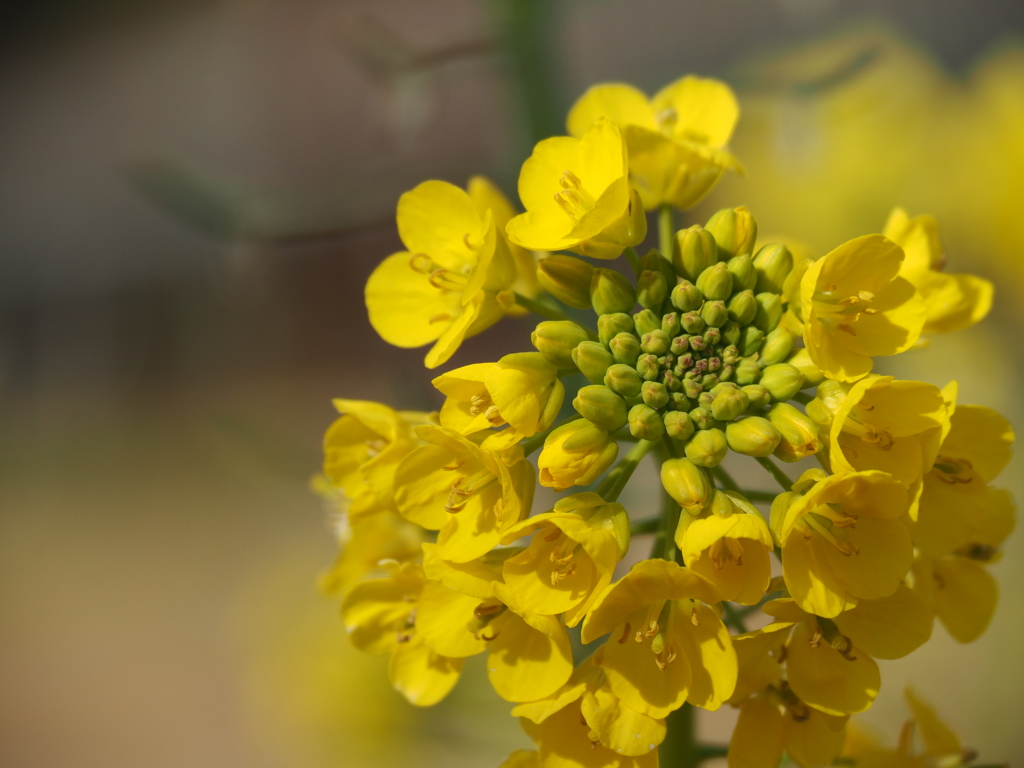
(487, 197)
(526, 664)
(817, 741)
(704, 110)
(955, 302)
(757, 740)
(587, 676)
(522, 758)
(422, 676)
(423, 485)
(810, 579)
(758, 669)
(939, 741)
(534, 576)
(475, 577)
(564, 742)
(826, 680)
(377, 610)
(891, 627)
(479, 314)
(885, 556)
(965, 597)
(981, 436)
(442, 619)
(744, 582)
(618, 727)
(439, 219)
(404, 308)
(952, 516)
(620, 103)
(713, 665)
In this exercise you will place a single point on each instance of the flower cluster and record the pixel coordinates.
(718, 343)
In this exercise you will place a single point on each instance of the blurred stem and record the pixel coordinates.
(775, 472)
(647, 525)
(724, 478)
(732, 617)
(751, 495)
(618, 477)
(634, 260)
(803, 397)
(679, 749)
(540, 308)
(666, 224)
(537, 440)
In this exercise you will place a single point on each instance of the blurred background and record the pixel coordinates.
(192, 195)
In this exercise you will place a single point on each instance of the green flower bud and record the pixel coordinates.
(556, 339)
(752, 436)
(687, 484)
(729, 404)
(715, 282)
(654, 261)
(611, 292)
(709, 380)
(625, 348)
(648, 367)
(645, 423)
(705, 399)
(623, 379)
(654, 393)
(679, 401)
(692, 322)
(772, 264)
(651, 289)
(670, 380)
(720, 388)
(707, 448)
(695, 251)
(691, 389)
(769, 311)
(655, 343)
(712, 336)
(714, 313)
(799, 433)
(670, 324)
(776, 346)
(757, 395)
(744, 277)
(721, 504)
(750, 340)
(701, 418)
(801, 360)
(782, 381)
(727, 373)
(592, 359)
(601, 407)
(686, 297)
(747, 372)
(567, 279)
(730, 355)
(742, 307)
(611, 325)
(678, 425)
(646, 321)
(697, 343)
(735, 231)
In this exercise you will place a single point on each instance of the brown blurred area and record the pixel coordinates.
(192, 196)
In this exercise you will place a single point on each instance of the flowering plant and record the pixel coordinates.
(718, 343)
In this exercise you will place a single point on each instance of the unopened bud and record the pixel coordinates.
(701, 418)
(646, 321)
(678, 425)
(655, 343)
(670, 324)
(623, 379)
(782, 381)
(729, 404)
(692, 322)
(686, 297)
(610, 325)
(705, 399)
(691, 388)
(735, 231)
(592, 359)
(769, 311)
(687, 484)
(709, 380)
(645, 423)
(750, 340)
(714, 364)
(651, 290)
(752, 436)
(799, 432)
(757, 395)
(721, 504)
(601, 407)
(654, 393)
(801, 360)
(727, 372)
(776, 346)
(707, 448)
(625, 348)
(731, 333)
(747, 372)
(567, 279)
(744, 278)
(743, 307)
(695, 251)
(670, 380)
(715, 282)
(611, 292)
(556, 339)
(717, 390)
(648, 367)
(679, 401)
(712, 336)
(654, 261)
(772, 263)
(714, 314)
(730, 355)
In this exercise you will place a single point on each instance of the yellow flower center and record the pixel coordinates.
(830, 522)
(563, 555)
(465, 487)
(573, 198)
(841, 313)
(439, 277)
(655, 626)
(880, 437)
(952, 470)
(726, 550)
(482, 403)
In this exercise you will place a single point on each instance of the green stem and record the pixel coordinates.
(751, 495)
(666, 224)
(803, 397)
(670, 521)
(634, 260)
(732, 617)
(537, 440)
(618, 477)
(679, 749)
(540, 308)
(775, 472)
(725, 479)
(647, 525)
(709, 751)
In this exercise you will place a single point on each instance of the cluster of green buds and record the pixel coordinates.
(702, 360)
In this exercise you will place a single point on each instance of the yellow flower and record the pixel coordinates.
(571, 558)
(575, 454)
(958, 508)
(961, 591)
(856, 306)
(444, 288)
(843, 541)
(522, 758)
(380, 616)
(732, 552)
(521, 391)
(577, 196)
(467, 493)
(774, 721)
(676, 140)
(954, 302)
(666, 646)
(889, 425)
(362, 449)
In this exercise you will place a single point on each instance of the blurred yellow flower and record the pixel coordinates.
(772, 722)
